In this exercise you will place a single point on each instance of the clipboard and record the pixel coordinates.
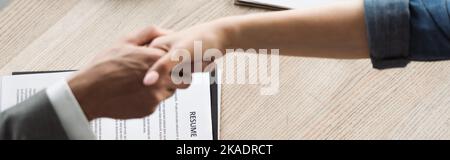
(214, 89)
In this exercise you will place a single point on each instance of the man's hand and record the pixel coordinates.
(111, 85)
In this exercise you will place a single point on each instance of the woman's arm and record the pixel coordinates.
(332, 31)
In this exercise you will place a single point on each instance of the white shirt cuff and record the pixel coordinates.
(69, 112)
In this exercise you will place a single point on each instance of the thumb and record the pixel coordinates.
(164, 66)
(158, 69)
(151, 78)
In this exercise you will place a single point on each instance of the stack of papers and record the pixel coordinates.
(191, 114)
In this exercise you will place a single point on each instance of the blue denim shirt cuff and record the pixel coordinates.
(388, 28)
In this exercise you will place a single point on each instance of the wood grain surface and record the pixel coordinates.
(318, 98)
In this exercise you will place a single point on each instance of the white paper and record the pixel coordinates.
(16, 89)
(173, 120)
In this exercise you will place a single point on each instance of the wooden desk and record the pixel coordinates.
(318, 99)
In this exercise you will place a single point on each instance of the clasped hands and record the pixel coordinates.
(131, 78)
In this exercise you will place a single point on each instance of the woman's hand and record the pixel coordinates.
(186, 48)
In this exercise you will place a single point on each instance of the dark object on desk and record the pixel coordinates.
(252, 3)
(40, 72)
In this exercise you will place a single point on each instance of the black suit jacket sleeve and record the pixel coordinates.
(33, 119)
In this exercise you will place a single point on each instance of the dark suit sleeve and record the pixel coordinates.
(33, 119)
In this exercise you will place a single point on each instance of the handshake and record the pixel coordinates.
(130, 79)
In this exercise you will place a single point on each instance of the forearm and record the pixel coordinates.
(333, 31)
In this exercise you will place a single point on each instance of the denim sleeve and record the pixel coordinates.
(430, 30)
(403, 30)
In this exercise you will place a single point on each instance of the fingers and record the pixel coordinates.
(160, 67)
(148, 55)
(163, 69)
(151, 78)
(162, 42)
(179, 73)
(144, 36)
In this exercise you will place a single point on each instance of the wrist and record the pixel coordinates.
(81, 90)
(228, 33)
